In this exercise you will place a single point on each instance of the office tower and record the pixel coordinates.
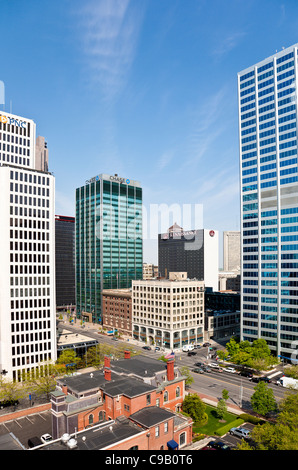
(65, 260)
(193, 251)
(267, 95)
(231, 251)
(168, 312)
(109, 246)
(27, 256)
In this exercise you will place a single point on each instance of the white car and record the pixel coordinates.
(230, 369)
(214, 365)
(45, 438)
(240, 432)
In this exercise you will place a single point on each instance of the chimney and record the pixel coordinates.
(170, 370)
(108, 374)
(64, 389)
(126, 354)
(107, 361)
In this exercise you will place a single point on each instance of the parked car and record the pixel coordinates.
(46, 438)
(240, 432)
(34, 442)
(147, 348)
(218, 445)
(191, 353)
(206, 344)
(157, 348)
(198, 370)
(230, 369)
(206, 369)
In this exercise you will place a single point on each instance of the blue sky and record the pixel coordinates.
(146, 89)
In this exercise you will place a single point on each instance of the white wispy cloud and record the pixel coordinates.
(110, 31)
(207, 126)
(228, 44)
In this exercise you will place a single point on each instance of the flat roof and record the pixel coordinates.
(98, 437)
(151, 416)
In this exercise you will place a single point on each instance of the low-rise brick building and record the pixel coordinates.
(141, 392)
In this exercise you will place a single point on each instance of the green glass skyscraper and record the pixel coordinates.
(109, 245)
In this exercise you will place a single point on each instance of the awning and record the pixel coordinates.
(172, 445)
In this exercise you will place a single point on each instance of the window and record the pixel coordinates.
(166, 396)
(156, 431)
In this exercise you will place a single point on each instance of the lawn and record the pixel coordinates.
(214, 425)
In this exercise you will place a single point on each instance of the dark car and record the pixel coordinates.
(198, 370)
(206, 344)
(147, 348)
(199, 364)
(191, 353)
(265, 379)
(34, 442)
(245, 373)
(218, 445)
(206, 369)
(255, 379)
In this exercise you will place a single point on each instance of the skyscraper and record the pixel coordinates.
(192, 251)
(267, 95)
(65, 260)
(109, 246)
(27, 255)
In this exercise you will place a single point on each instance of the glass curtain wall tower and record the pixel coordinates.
(267, 94)
(109, 246)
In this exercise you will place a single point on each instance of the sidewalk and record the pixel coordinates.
(213, 402)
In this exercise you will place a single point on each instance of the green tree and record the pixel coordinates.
(263, 401)
(194, 407)
(221, 408)
(189, 378)
(69, 359)
(11, 391)
(283, 435)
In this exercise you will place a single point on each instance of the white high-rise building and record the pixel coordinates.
(267, 95)
(27, 252)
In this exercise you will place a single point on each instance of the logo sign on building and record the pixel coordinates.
(13, 121)
(119, 180)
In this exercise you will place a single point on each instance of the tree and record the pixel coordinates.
(194, 407)
(11, 391)
(189, 378)
(69, 359)
(221, 408)
(263, 401)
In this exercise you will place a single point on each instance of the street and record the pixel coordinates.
(210, 384)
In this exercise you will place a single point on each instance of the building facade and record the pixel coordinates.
(65, 261)
(267, 95)
(27, 258)
(231, 251)
(193, 251)
(117, 311)
(168, 314)
(109, 247)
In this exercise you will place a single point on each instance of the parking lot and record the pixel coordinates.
(233, 441)
(28, 426)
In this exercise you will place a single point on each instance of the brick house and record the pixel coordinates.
(146, 392)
